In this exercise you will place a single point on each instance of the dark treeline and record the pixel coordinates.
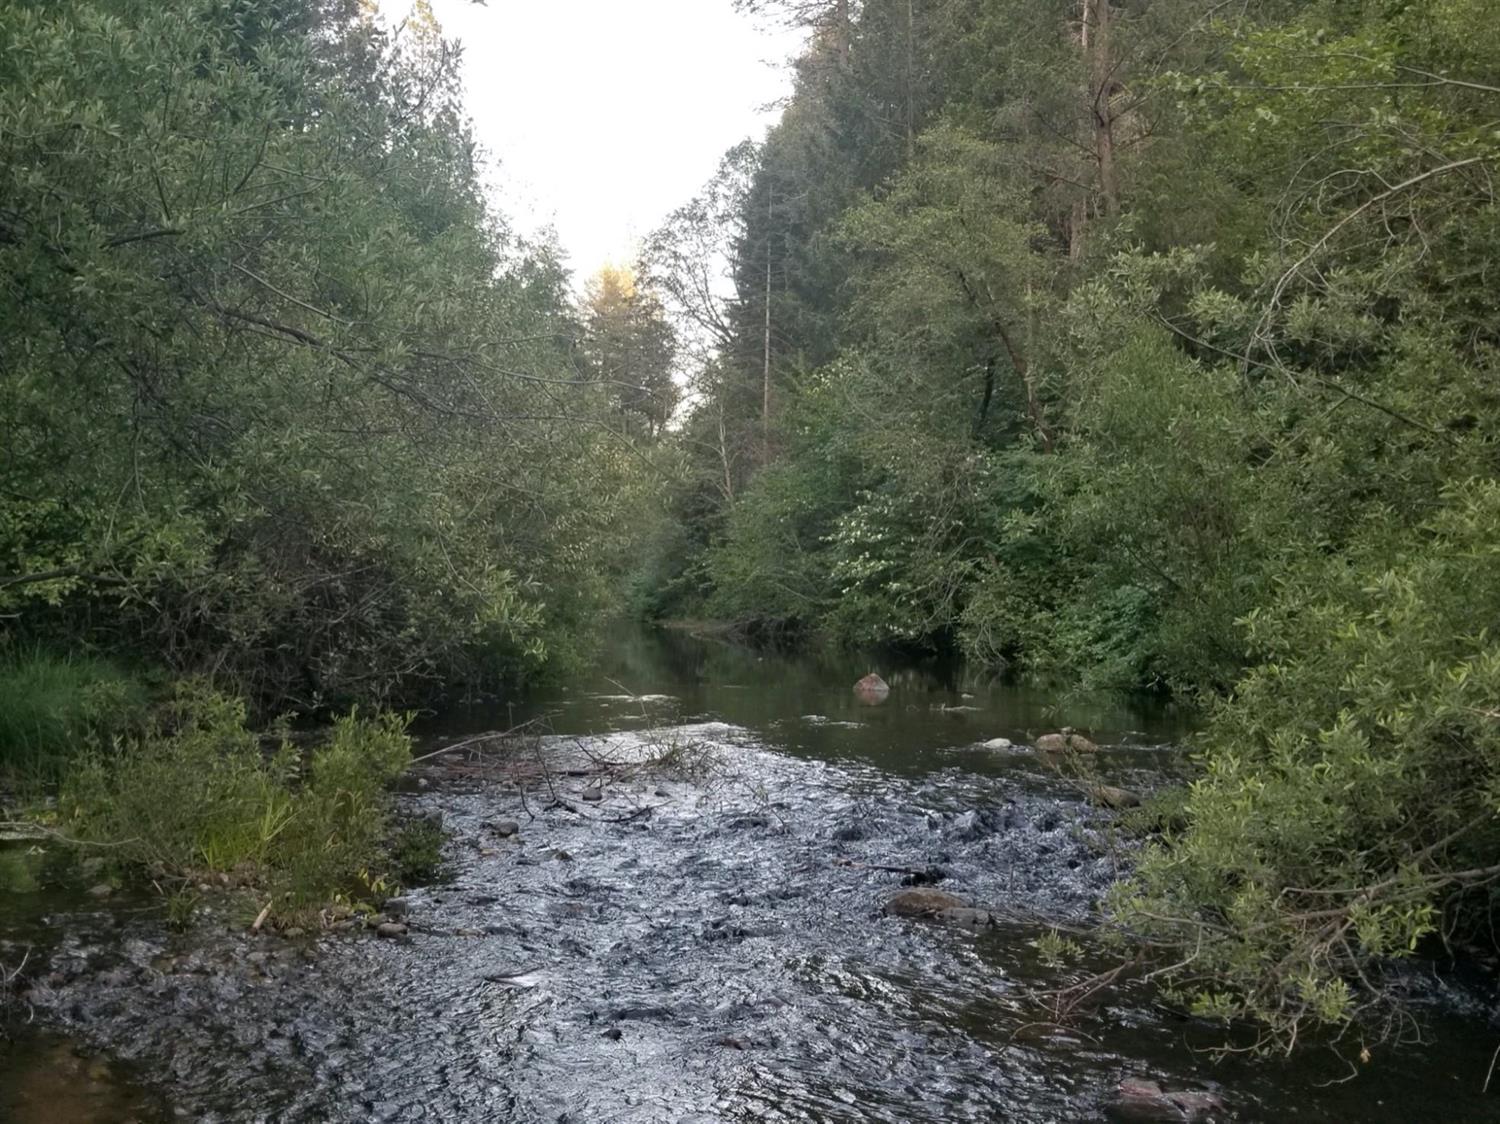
(1149, 344)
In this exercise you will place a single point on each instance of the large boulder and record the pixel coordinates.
(872, 689)
(1066, 741)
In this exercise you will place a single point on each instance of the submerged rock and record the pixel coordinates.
(923, 902)
(967, 916)
(872, 689)
(1110, 797)
(1147, 1102)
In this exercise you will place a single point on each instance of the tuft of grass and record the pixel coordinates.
(416, 851)
(52, 706)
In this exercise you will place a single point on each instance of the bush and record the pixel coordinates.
(198, 794)
(1351, 798)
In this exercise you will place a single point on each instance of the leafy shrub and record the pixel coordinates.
(1351, 796)
(198, 792)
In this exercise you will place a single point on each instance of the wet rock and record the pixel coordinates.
(506, 828)
(922, 902)
(558, 855)
(972, 826)
(1146, 1102)
(1110, 797)
(925, 877)
(1065, 741)
(593, 794)
(390, 929)
(872, 689)
(967, 917)
(614, 1034)
(997, 743)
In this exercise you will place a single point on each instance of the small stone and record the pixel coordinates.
(663, 793)
(998, 743)
(102, 890)
(390, 929)
(506, 828)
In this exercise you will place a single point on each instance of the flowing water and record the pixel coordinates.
(704, 942)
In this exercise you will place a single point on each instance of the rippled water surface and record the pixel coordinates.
(703, 943)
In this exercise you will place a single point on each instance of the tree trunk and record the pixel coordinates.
(911, 111)
(843, 32)
(765, 386)
(1101, 70)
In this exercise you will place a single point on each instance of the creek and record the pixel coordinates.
(703, 942)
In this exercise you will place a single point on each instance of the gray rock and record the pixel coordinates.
(593, 794)
(390, 929)
(998, 743)
(506, 828)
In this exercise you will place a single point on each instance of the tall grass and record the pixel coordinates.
(51, 706)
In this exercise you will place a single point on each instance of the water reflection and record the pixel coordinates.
(804, 703)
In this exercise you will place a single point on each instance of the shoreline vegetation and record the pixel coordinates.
(1148, 346)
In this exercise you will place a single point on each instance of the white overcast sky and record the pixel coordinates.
(604, 115)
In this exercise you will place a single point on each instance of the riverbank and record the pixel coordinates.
(707, 940)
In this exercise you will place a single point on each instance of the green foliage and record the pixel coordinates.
(282, 399)
(416, 851)
(1161, 356)
(198, 793)
(53, 707)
